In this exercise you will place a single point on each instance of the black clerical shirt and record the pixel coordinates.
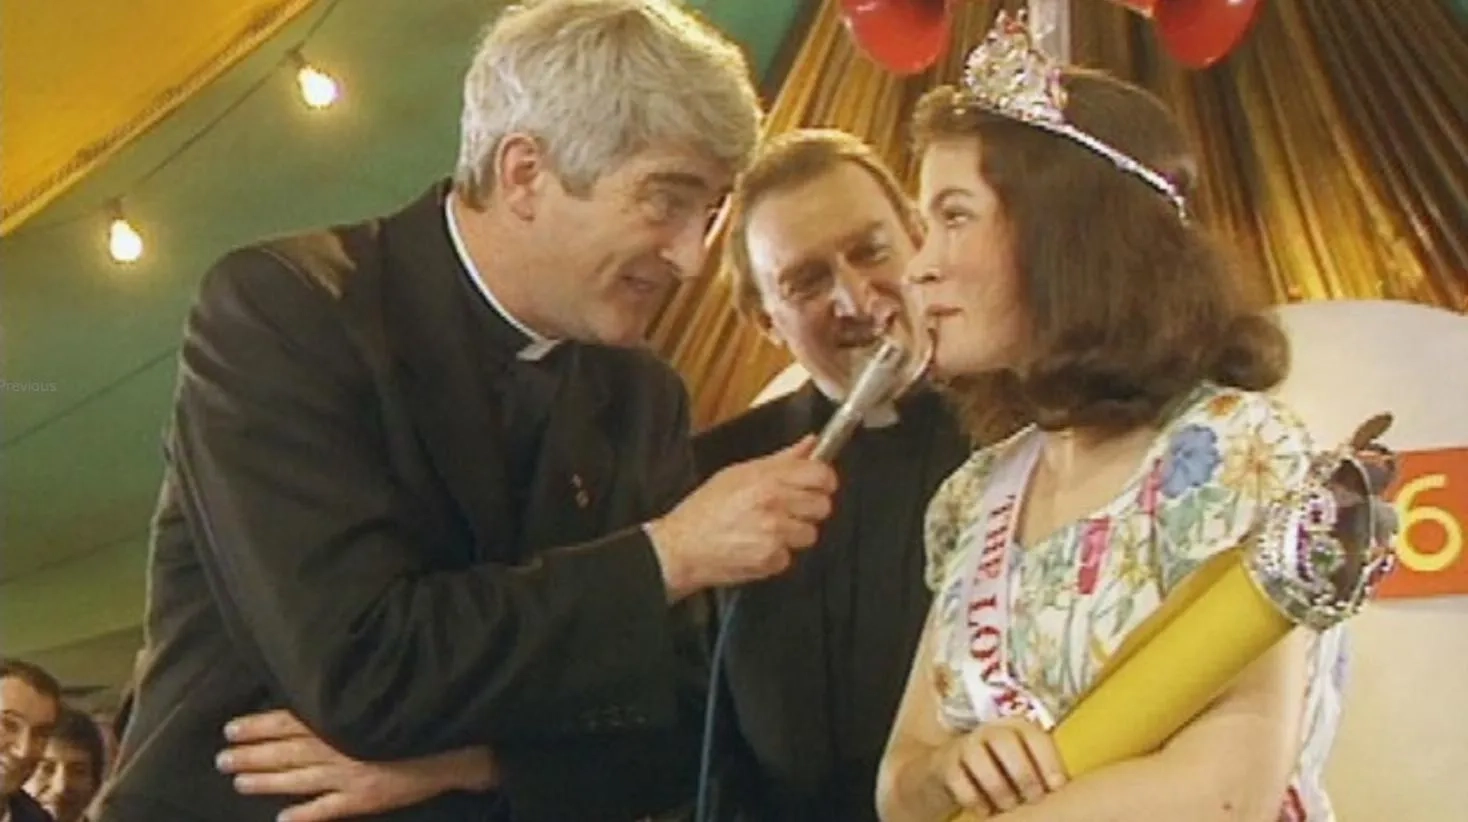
(817, 658)
(525, 388)
(524, 372)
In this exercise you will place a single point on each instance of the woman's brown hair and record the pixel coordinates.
(1129, 305)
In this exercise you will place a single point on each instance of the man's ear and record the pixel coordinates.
(520, 174)
(766, 326)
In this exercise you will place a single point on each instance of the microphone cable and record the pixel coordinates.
(891, 370)
(710, 709)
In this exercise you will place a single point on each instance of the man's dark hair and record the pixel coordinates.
(80, 731)
(32, 675)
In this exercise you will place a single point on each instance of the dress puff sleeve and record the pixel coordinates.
(1223, 468)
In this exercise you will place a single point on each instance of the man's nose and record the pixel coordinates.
(686, 252)
(23, 743)
(852, 293)
(65, 781)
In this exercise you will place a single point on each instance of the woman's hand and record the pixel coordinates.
(275, 753)
(1000, 766)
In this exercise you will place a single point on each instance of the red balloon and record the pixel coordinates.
(903, 36)
(1197, 33)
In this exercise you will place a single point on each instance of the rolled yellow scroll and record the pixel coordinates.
(1208, 631)
(1172, 675)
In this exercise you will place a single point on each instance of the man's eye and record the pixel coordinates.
(806, 286)
(869, 254)
(666, 206)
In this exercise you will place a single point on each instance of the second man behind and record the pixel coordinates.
(816, 658)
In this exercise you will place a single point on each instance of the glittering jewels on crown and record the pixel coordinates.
(1009, 75)
(1322, 551)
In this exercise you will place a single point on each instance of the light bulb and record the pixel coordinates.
(124, 242)
(318, 88)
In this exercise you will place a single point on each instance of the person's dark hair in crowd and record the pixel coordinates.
(70, 771)
(30, 700)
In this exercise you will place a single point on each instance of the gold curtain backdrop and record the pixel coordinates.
(1334, 146)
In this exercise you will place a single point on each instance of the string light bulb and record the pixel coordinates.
(318, 88)
(124, 242)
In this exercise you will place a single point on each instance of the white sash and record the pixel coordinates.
(987, 676)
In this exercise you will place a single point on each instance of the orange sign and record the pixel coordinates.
(1431, 496)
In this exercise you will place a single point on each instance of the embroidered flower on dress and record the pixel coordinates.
(946, 511)
(1252, 466)
(1095, 539)
(1152, 489)
(1046, 646)
(1131, 570)
(1192, 457)
(1223, 404)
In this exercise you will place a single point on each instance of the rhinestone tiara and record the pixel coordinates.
(1009, 75)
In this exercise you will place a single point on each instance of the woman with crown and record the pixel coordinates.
(1073, 296)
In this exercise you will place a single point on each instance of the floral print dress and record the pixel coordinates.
(1077, 594)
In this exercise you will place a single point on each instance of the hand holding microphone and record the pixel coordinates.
(745, 522)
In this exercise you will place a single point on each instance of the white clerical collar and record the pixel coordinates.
(539, 344)
(883, 416)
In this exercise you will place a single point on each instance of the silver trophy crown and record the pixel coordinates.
(1324, 548)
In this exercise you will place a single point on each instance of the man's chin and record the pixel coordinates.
(621, 337)
(66, 810)
(853, 362)
(625, 329)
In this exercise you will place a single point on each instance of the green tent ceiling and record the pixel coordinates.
(88, 345)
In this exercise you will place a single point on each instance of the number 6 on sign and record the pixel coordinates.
(1412, 516)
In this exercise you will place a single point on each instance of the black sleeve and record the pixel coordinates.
(288, 496)
(728, 443)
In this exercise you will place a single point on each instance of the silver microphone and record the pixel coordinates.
(893, 368)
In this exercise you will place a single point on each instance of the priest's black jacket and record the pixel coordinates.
(375, 515)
